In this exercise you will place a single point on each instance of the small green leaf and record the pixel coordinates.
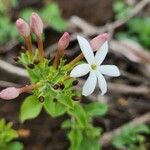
(90, 144)
(25, 58)
(30, 108)
(80, 115)
(14, 146)
(7, 134)
(142, 129)
(54, 108)
(66, 124)
(118, 142)
(66, 100)
(96, 109)
(75, 137)
(93, 132)
(51, 14)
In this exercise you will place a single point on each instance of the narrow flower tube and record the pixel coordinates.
(22, 27)
(62, 45)
(9, 93)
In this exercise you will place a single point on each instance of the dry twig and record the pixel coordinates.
(12, 69)
(90, 30)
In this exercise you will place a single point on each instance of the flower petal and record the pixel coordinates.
(80, 70)
(101, 53)
(110, 70)
(90, 84)
(86, 49)
(102, 83)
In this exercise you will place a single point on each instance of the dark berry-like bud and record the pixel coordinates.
(36, 62)
(23, 49)
(31, 66)
(75, 82)
(55, 100)
(16, 59)
(61, 86)
(76, 98)
(41, 99)
(56, 86)
(49, 63)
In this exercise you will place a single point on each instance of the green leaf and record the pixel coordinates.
(80, 115)
(25, 13)
(14, 146)
(7, 134)
(118, 142)
(14, 3)
(130, 136)
(75, 137)
(93, 132)
(66, 100)
(142, 129)
(54, 108)
(30, 108)
(66, 124)
(90, 144)
(96, 109)
(51, 14)
(25, 58)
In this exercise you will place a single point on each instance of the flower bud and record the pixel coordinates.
(75, 82)
(61, 86)
(98, 41)
(76, 98)
(31, 66)
(36, 24)
(64, 41)
(56, 86)
(55, 100)
(23, 28)
(41, 99)
(9, 93)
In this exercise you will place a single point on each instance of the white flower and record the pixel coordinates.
(94, 67)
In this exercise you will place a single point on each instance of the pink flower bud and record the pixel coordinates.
(98, 41)
(36, 24)
(9, 93)
(64, 41)
(22, 27)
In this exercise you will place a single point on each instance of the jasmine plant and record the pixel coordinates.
(7, 137)
(53, 85)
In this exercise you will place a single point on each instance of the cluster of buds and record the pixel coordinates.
(36, 26)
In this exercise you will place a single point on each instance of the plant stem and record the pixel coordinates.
(40, 47)
(28, 88)
(59, 55)
(28, 43)
(74, 61)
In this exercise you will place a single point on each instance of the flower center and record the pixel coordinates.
(93, 66)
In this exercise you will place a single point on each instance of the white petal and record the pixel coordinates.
(101, 53)
(86, 49)
(110, 70)
(90, 84)
(102, 83)
(80, 70)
